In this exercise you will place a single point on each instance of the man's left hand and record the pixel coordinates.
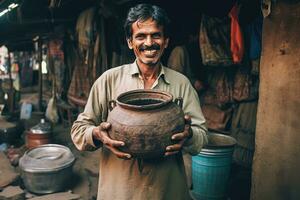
(180, 138)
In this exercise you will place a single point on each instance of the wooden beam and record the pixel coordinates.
(40, 58)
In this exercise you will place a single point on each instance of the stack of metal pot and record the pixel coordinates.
(47, 168)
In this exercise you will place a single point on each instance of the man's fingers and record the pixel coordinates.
(116, 143)
(175, 147)
(187, 119)
(118, 153)
(104, 137)
(169, 153)
(178, 136)
(104, 126)
(182, 135)
(112, 143)
(101, 133)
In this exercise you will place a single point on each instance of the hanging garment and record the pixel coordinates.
(80, 85)
(255, 65)
(214, 40)
(223, 89)
(186, 60)
(220, 81)
(102, 56)
(71, 54)
(85, 28)
(26, 75)
(253, 37)
(179, 60)
(209, 97)
(243, 130)
(51, 112)
(241, 87)
(236, 37)
(216, 118)
(245, 87)
(57, 64)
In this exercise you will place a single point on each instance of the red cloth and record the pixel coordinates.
(236, 43)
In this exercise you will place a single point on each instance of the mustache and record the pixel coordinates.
(149, 48)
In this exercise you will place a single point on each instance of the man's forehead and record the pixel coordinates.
(140, 24)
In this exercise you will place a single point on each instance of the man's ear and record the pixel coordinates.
(166, 42)
(129, 42)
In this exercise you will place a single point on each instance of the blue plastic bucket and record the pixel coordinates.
(211, 168)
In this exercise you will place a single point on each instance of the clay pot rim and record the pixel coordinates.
(165, 97)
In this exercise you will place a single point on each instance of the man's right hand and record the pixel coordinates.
(100, 133)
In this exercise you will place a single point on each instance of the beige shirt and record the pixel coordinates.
(122, 179)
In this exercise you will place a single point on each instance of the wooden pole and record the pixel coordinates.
(11, 96)
(40, 58)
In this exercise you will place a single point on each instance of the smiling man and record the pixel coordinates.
(121, 176)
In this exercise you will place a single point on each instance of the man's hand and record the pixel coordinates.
(180, 138)
(100, 133)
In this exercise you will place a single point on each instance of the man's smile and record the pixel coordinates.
(150, 53)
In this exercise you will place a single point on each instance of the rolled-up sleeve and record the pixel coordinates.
(91, 117)
(191, 107)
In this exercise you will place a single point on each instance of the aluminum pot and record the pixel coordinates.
(145, 120)
(47, 168)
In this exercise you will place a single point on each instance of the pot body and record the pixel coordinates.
(47, 168)
(35, 139)
(47, 182)
(146, 126)
(39, 134)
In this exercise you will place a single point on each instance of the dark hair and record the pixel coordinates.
(142, 12)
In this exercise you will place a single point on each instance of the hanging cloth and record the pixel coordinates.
(236, 42)
(253, 37)
(85, 28)
(56, 65)
(214, 41)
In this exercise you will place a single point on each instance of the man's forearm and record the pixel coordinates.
(82, 135)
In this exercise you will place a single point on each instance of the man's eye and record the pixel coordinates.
(156, 36)
(139, 37)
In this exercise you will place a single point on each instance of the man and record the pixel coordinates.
(120, 175)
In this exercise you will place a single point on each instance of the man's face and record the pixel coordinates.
(148, 42)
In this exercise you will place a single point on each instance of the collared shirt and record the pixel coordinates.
(122, 179)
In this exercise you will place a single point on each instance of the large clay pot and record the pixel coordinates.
(145, 120)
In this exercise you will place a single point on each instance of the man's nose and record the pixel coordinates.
(148, 41)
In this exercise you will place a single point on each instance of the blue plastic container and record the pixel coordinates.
(211, 168)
